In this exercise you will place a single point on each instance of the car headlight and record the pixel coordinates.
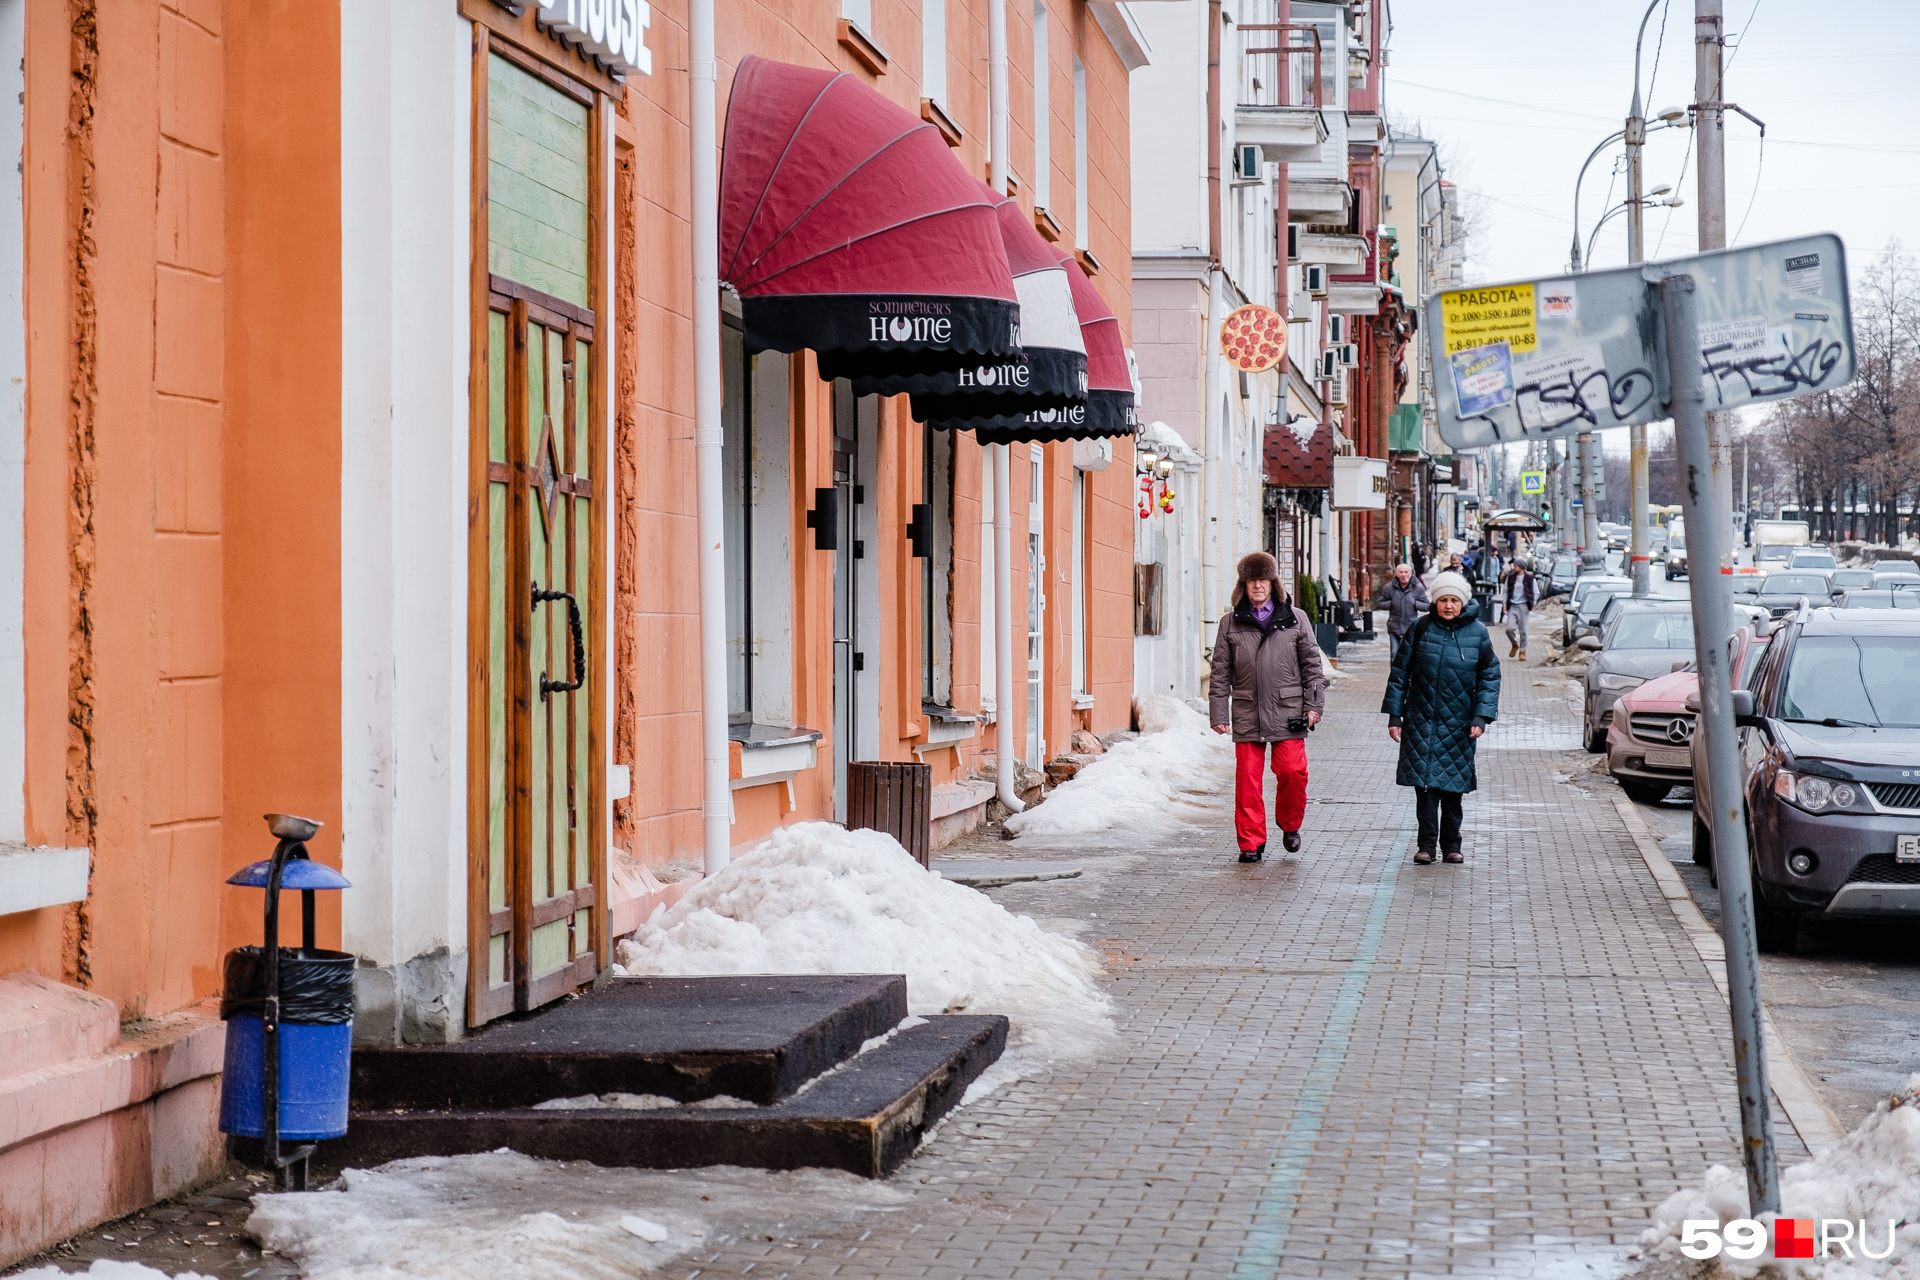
(1614, 680)
(1620, 716)
(1819, 795)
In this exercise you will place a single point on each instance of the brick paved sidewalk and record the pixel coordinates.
(1343, 1064)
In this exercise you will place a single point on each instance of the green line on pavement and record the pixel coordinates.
(1273, 1217)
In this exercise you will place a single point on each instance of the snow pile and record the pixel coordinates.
(815, 898)
(1176, 765)
(1872, 1175)
(108, 1269)
(508, 1215)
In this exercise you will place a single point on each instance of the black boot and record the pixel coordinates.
(1253, 855)
(1290, 841)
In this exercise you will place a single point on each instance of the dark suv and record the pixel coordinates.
(1829, 744)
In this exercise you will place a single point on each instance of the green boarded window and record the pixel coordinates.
(536, 183)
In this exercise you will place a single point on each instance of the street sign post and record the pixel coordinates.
(1541, 359)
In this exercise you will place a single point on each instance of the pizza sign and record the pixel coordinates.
(1254, 338)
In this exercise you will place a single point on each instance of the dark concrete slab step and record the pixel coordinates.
(757, 1038)
(866, 1117)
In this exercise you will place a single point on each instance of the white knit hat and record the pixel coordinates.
(1451, 584)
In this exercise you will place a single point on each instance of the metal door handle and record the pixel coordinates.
(547, 683)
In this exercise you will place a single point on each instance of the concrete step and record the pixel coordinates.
(866, 1117)
(755, 1038)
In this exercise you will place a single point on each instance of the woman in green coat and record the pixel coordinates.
(1443, 693)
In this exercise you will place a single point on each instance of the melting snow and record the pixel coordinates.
(1178, 763)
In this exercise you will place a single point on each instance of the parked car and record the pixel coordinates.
(1895, 580)
(1841, 581)
(1829, 751)
(1812, 558)
(1879, 600)
(1561, 577)
(1675, 563)
(1643, 641)
(1781, 593)
(1650, 733)
(1889, 565)
(1578, 617)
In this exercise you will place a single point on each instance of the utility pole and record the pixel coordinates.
(1591, 551)
(1710, 170)
(1638, 564)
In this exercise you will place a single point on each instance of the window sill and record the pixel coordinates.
(933, 711)
(1046, 225)
(1082, 702)
(760, 737)
(936, 115)
(861, 46)
(32, 878)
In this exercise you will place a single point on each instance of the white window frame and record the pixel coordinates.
(1081, 205)
(933, 52)
(1042, 109)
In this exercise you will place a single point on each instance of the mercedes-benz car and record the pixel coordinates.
(1782, 592)
(1650, 733)
(1829, 750)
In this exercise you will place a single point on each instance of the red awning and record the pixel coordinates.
(1050, 369)
(1109, 410)
(847, 226)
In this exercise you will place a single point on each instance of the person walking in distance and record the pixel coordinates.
(1443, 692)
(1404, 597)
(1268, 690)
(1516, 598)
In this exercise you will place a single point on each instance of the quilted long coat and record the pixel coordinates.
(1445, 677)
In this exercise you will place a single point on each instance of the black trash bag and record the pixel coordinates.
(316, 987)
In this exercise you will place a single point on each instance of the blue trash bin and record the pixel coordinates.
(313, 1079)
(316, 1041)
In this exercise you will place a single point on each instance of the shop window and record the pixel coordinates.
(933, 51)
(756, 534)
(1042, 111)
(936, 570)
(1081, 206)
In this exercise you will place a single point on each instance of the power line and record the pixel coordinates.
(1743, 39)
(1758, 169)
(1660, 44)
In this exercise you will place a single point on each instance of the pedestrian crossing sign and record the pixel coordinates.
(1533, 482)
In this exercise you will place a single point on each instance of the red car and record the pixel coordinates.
(1650, 734)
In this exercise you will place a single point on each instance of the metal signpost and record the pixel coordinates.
(1542, 359)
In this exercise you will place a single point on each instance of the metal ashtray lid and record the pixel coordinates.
(300, 873)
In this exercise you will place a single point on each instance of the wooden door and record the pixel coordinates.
(537, 926)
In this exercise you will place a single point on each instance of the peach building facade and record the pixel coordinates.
(330, 331)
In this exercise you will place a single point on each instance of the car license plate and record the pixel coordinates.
(1909, 850)
(1662, 759)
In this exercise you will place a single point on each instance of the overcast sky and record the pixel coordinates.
(1518, 92)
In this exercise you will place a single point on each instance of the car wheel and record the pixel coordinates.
(1645, 792)
(1596, 741)
(1702, 844)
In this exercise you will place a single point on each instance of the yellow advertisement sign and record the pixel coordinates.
(1480, 317)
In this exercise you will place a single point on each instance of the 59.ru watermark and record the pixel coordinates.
(1745, 1238)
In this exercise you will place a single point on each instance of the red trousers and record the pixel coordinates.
(1249, 792)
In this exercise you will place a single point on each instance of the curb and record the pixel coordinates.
(1818, 1127)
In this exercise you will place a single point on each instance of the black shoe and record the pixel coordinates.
(1452, 855)
(1290, 841)
(1423, 856)
(1253, 855)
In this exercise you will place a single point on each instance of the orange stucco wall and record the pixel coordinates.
(660, 701)
(182, 531)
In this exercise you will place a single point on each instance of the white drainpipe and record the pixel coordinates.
(1006, 767)
(716, 799)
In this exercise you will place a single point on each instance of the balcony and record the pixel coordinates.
(1334, 250)
(1319, 201)
(1353, 298)
(1285, 135)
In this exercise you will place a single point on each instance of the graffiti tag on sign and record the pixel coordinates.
(1481, 317)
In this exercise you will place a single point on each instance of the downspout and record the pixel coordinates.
(1006, 768)
(716, 804)
(1210, 526)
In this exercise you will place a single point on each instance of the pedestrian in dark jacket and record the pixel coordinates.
(1443, 693)
(1517, 599)
(1267, 689)
(1404, 598)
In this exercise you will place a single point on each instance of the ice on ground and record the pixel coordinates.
(1873, 1175)
(642, 1102)
(816, 898)
(508, 1215)
(109, 1269)
(1176, 763)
